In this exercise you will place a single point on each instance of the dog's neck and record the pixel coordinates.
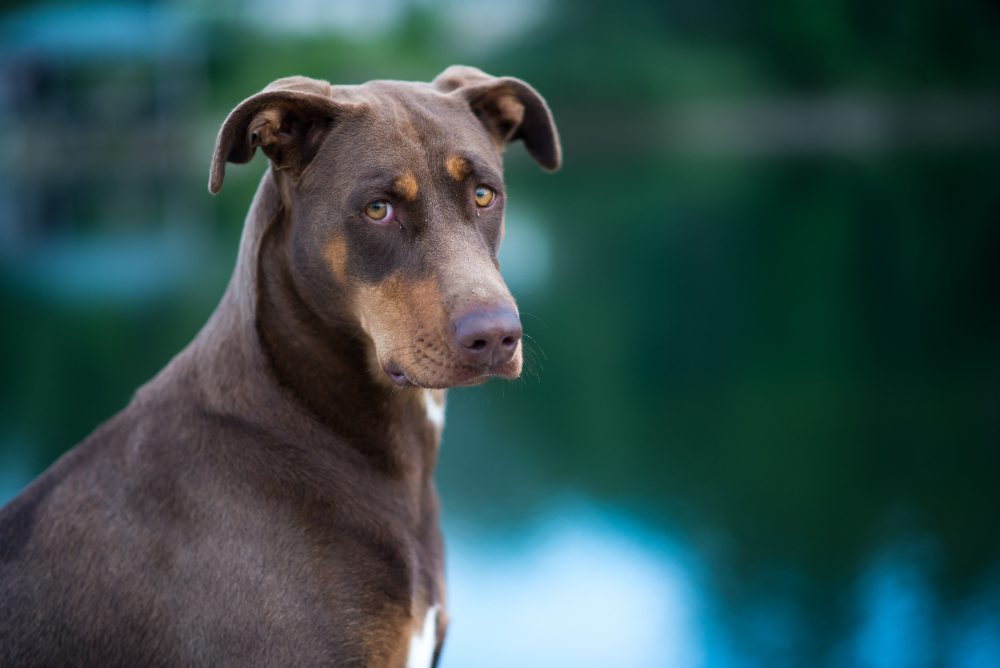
(292, 360)
(327, 366)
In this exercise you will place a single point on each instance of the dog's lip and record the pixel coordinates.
(448, 374)
(397, 376)
(464, 376)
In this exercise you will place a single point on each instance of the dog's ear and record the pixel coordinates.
(288, 120)
(509, 109)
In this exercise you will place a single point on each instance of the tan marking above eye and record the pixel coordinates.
(406, 186)
(484, 196)
(457, 166)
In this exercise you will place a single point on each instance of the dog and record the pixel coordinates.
(267, 499)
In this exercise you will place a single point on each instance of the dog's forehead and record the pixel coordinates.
(416, 122)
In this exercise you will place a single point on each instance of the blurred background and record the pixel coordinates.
(761, 425)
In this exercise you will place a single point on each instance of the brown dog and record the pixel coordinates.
(267, 499)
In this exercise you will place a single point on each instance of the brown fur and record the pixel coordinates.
(267, 499)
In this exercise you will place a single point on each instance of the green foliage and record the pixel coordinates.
(646, 50)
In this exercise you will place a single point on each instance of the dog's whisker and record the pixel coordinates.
(351, 338)
(534, 343)
(535, 317)
(400, 348)
(531, 354)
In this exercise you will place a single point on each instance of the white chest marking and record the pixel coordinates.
(435, 411)
(423, 643)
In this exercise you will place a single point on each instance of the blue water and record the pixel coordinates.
(589, 586)
(581, 587)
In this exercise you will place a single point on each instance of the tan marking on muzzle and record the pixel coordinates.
(406, 187)
(458, 167)
(336, 258)
(398, 311)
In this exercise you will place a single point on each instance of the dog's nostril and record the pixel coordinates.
(478, 344)
(509, 341)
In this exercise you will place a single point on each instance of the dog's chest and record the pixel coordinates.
(434, 407)
(423, 642)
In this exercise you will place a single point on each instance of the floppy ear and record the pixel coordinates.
(288, 120)
(509, 109)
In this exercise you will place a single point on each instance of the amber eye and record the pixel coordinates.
(380, 211)
(484, 196)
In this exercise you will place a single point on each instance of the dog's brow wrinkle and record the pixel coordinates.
(406, 186)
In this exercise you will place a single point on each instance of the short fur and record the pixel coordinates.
(267, 499)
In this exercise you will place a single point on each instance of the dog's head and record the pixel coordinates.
(395, 195)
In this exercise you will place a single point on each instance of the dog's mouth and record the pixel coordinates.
(441, 377)
(396, 375)
(443, 350)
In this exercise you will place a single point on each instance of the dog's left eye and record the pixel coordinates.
(484, 196)
(380, 211)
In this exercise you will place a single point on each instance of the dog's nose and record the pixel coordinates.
(488, 337)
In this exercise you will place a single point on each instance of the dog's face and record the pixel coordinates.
(396, 200)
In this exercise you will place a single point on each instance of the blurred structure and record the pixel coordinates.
(98, 104)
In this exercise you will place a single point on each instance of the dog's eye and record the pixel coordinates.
(380, 211)
(484, 196)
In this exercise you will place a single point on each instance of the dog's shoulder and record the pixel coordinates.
(132, 456)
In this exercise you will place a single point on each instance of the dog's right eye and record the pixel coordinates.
(484, 196)
(380, 211)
